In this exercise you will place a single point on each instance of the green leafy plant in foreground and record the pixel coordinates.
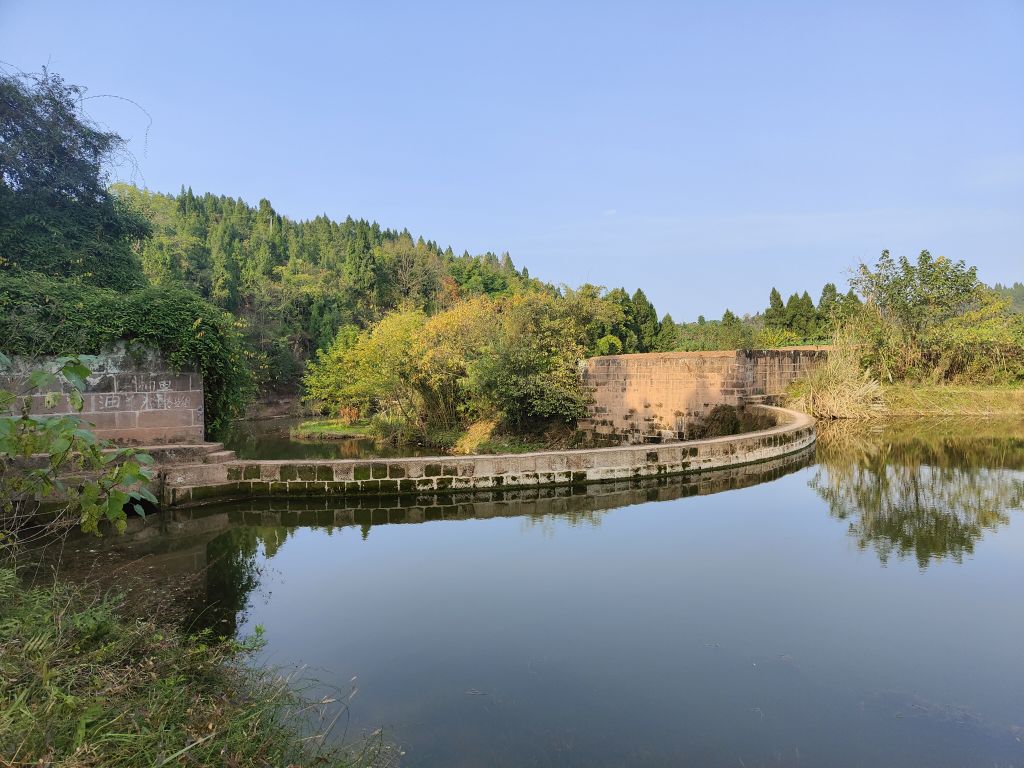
(58, 460)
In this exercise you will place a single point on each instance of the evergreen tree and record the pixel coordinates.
(775, 315)
(643, 321)
(668, 335)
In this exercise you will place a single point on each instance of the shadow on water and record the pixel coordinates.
(923, 489)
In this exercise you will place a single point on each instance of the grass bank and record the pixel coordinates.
(83, 685)
(952, 400)
(840, 388)
(330, 429)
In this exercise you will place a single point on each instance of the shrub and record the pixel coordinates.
(46, 316)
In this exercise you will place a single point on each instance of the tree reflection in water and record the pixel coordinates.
(926, 489)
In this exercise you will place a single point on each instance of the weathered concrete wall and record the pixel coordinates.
(131, 401)
(653, 397)
(203, 483)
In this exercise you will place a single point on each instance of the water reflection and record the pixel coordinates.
(720, 629)
(271, 439)
(927, 490)
(209, 560)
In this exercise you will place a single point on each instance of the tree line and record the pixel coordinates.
(262, 302)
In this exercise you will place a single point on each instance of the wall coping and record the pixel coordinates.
(697, 354)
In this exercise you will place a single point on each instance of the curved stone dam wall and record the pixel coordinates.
(656, 396)
(236, 479)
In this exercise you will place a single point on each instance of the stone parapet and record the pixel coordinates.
(655, 397)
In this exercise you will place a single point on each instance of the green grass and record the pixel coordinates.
(330, 429)
(83, 685)
(953, 400)
(512, 444)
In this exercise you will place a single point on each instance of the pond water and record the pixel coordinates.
(271, 439)
(859, 605)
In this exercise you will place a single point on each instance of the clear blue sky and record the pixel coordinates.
(702, 151)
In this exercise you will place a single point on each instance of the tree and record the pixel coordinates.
(801, 316)
(668, 335)
(917, 295)
(775, 315)
(933, 318)
(56, 213)
(643, 322)
(828, 308)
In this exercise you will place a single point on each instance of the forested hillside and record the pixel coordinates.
(1015, 293)
(293, 284)
(249, 296)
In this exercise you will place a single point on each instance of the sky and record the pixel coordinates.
(702, 151)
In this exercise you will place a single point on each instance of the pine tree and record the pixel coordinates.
(775, 315)
(668, 335)
(644, 322)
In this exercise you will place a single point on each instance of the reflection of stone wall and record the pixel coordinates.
(654, 397)
(140, 402)
(202, 483)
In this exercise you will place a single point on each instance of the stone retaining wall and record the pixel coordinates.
(203, 483)
(133, 400)
(655, 397)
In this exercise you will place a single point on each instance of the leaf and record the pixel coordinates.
(145, 494)
(76, 374)
(5, 361)
(76, 399)
(38, 379)
(86, 436)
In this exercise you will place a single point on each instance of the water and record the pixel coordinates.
(271, 439)
(857, 607)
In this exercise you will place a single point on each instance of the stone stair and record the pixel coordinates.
(219, 457)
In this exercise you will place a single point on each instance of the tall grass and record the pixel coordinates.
(839, 387)
(83, 686)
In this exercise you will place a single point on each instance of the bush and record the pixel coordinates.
(46, 316)
(933, 320)
(511, 359)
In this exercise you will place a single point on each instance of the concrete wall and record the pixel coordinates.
(653, 397)
(130, 401)
(203, 483)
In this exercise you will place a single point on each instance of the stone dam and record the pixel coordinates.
(642, 406)
(655, 396)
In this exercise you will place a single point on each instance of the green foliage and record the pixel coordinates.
(1015, 293)
(40, 315)
(295, 283)
(512, 358)
(56, 214)
(934, 320)
(731, 332)
(608, 345)
(529, 373)
(643, 322)
(57, 459)
(83, 685)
